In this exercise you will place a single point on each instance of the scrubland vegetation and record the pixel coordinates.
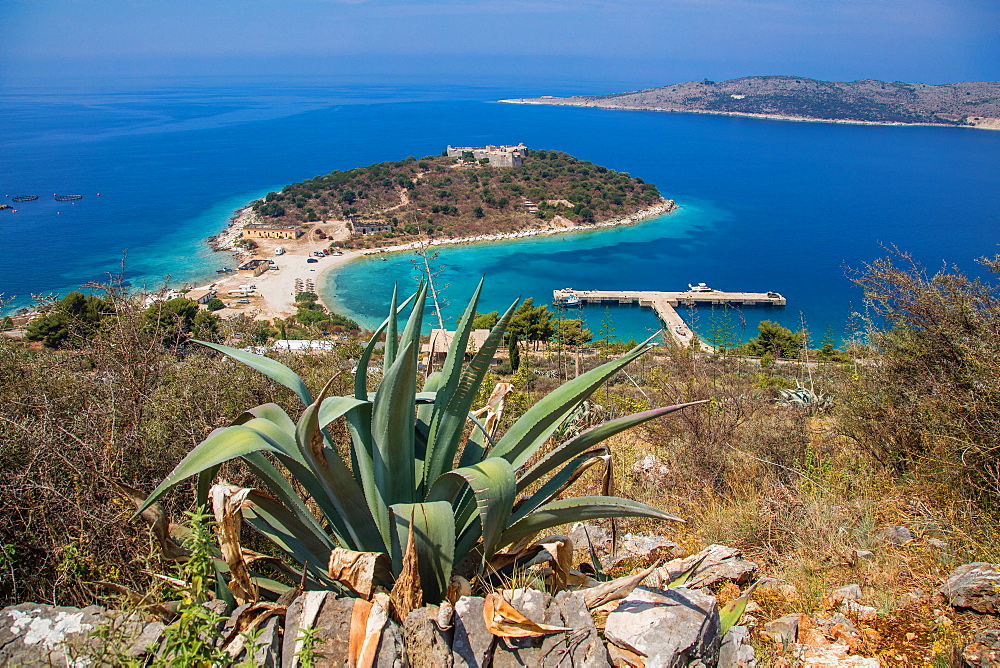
(906, 434)
(451, 197)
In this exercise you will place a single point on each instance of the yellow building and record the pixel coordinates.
(272, 231)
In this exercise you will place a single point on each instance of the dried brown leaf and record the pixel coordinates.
(560, 551)
(249, 620)
(359, 571)
(170, 549)
(506, 621)
(227, 504)
(407, 594)
(615, 589)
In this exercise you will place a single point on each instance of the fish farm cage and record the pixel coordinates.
(24, 198)
(68, 198)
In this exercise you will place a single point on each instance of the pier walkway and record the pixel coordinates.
(664, 304)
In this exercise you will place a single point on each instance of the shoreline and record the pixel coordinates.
(276, 289)
(991, 124)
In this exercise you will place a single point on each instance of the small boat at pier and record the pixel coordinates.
(701, 287)
(566, 298)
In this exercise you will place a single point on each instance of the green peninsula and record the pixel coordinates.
(462, 193)
(972, 104)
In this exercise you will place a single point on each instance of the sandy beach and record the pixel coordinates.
(274, 294)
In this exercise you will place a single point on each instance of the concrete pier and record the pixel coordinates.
(664, 304)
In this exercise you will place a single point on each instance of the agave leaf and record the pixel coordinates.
(361, 377)
(559, 482)
(434, 540)
(220, 446)
(391, 334)
(595, 560)
(414, 324)
(272, 412)
(729, 615)
(336, 407)
(452, 408)
(279, 437)
(297, 540)
(451, 371)
(492, 482)
(613, 590)
(335, 478)
(283, 491)
(579, 509)
(392, 430)
(588, 439)
(538, 422)
(273, 369)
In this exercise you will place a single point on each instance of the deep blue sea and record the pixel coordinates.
(764, 205)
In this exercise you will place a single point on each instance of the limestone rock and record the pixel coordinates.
(268, 646)
(897, 535)
(650, 470)
(302, 614)
(599, 536)
(333, 625)
(851, 592)
(720, 563)
(33, 634)
(863, 555)
(671, 628)
(472, 642)
(975, 586)
(784, 630)
(390, 652)
(736, 650)
(510, 652)
(643, 549)
(581, 648)
(148, 640)
(426, 645)
(858, 611)
(984, 650)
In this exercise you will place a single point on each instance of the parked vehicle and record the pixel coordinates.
(312, 259)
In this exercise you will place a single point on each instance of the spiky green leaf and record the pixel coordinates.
(273, 369)
(579, 509)
(492, 483)
(434, 539)
(588, 439)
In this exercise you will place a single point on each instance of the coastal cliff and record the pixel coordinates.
(973, 104)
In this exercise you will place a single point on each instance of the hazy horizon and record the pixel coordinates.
(635, 43)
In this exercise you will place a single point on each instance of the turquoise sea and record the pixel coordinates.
(764, 205)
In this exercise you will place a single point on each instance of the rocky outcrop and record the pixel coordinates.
(975, 586)
(716, 563)
(672, 628)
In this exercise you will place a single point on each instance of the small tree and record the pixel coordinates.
(776, 340)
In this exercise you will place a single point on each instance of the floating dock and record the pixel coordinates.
(664, 304)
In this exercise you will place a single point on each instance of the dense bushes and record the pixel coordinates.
(928, 398)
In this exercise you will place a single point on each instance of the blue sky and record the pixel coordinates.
(654, 41)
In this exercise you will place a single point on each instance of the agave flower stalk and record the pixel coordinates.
(413, 459)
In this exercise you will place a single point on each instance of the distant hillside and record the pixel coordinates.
(449, 197)
(975, 104)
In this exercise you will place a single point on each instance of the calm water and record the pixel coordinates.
(766, 205)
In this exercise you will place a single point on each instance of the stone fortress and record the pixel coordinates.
(499, 156)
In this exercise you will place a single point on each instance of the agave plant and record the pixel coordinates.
(414, 467)
(801, 397)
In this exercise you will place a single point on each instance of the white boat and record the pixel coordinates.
(701, 287)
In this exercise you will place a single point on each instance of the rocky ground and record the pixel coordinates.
(680, 612)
